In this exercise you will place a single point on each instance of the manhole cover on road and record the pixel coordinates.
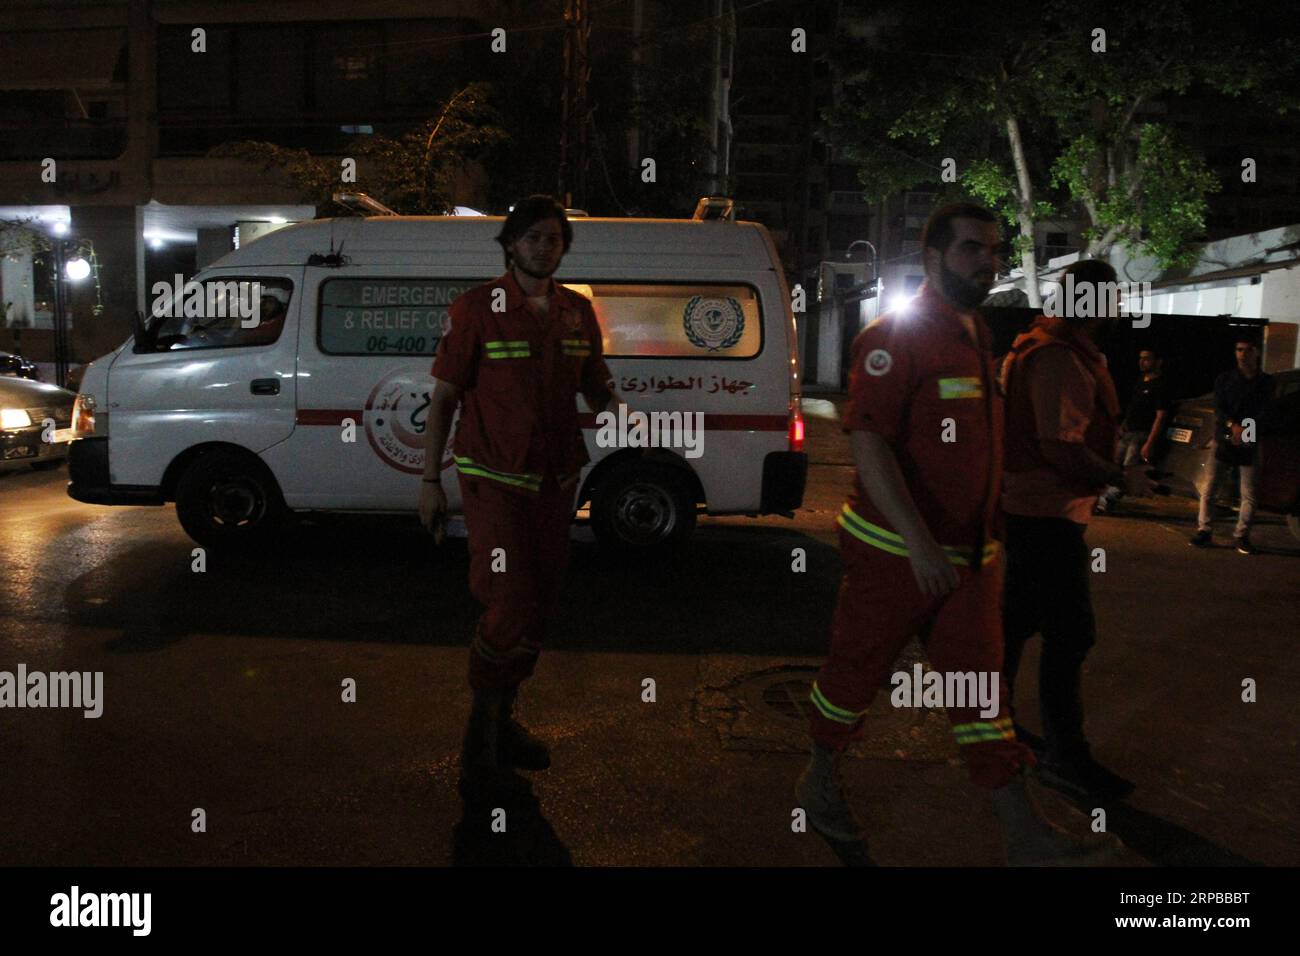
(789, 699)
(768, 710)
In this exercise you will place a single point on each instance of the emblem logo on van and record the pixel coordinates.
(713, 323)
(395, 416)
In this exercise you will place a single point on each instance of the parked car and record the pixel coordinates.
(18, 366)
(35, 423)
(1189, 441)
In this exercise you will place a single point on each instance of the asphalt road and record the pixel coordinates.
(222, 692)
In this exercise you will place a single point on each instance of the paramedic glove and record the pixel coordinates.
(433, 510)
(935, 574)
(1137, 483)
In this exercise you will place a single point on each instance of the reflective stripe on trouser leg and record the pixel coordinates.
(532, 533)
(877, 611)
(966, 637)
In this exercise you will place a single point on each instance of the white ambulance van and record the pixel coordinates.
(321, 405)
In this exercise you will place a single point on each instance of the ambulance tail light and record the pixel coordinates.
(796, 426)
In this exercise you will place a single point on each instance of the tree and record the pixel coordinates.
(1042, 109)
(1138, 181)
(413, 173)
(925, 99)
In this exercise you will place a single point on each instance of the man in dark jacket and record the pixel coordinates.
(1240, 396)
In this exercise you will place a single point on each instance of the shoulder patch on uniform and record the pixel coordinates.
(878, 362)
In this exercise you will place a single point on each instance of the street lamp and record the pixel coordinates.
(69, 266)
(76, 269)
(875, 266)
(848, 253)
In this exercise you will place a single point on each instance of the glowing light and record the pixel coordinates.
(13, 418)
(76, 269)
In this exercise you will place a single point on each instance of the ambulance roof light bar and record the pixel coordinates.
(715, 207)
(362, 204)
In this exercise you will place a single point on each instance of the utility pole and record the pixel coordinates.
(634, 131)
(719, 116)
(575, 112)
(59, 255)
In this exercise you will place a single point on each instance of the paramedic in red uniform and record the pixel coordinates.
(919, 535)
(518, 352)
(1062, 418)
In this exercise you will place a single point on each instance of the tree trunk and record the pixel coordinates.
(1025, 212)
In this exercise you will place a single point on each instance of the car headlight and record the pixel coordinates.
(11, 418)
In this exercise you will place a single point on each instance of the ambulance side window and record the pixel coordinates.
(229, 312)
(665, 320)
(385, 316)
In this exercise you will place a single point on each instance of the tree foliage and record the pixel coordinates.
(921, 84)
(413, 173)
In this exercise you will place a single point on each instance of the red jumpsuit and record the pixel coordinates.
(918, 378)
(519, 452)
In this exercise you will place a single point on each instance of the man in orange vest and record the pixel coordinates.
(918, 537)
(1062, 420)
(519, 351)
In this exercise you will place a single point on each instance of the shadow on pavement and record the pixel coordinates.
(850, 853)
(731, 590)
(1158, 841)
(506, 829)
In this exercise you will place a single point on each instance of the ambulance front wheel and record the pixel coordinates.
(642, 506)
(229, 499)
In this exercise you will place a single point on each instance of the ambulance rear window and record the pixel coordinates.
(386, 316)
(662, 320)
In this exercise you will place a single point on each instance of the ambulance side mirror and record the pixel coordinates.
(143, 333)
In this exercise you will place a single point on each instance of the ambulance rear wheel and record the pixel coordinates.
(229, 499)
(642, 506)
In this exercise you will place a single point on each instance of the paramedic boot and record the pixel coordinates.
(1033, 840)
(1080, 775)
(481, 767)
(519, 748)
(820, 792)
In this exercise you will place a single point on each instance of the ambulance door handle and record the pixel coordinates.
(265, 386)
